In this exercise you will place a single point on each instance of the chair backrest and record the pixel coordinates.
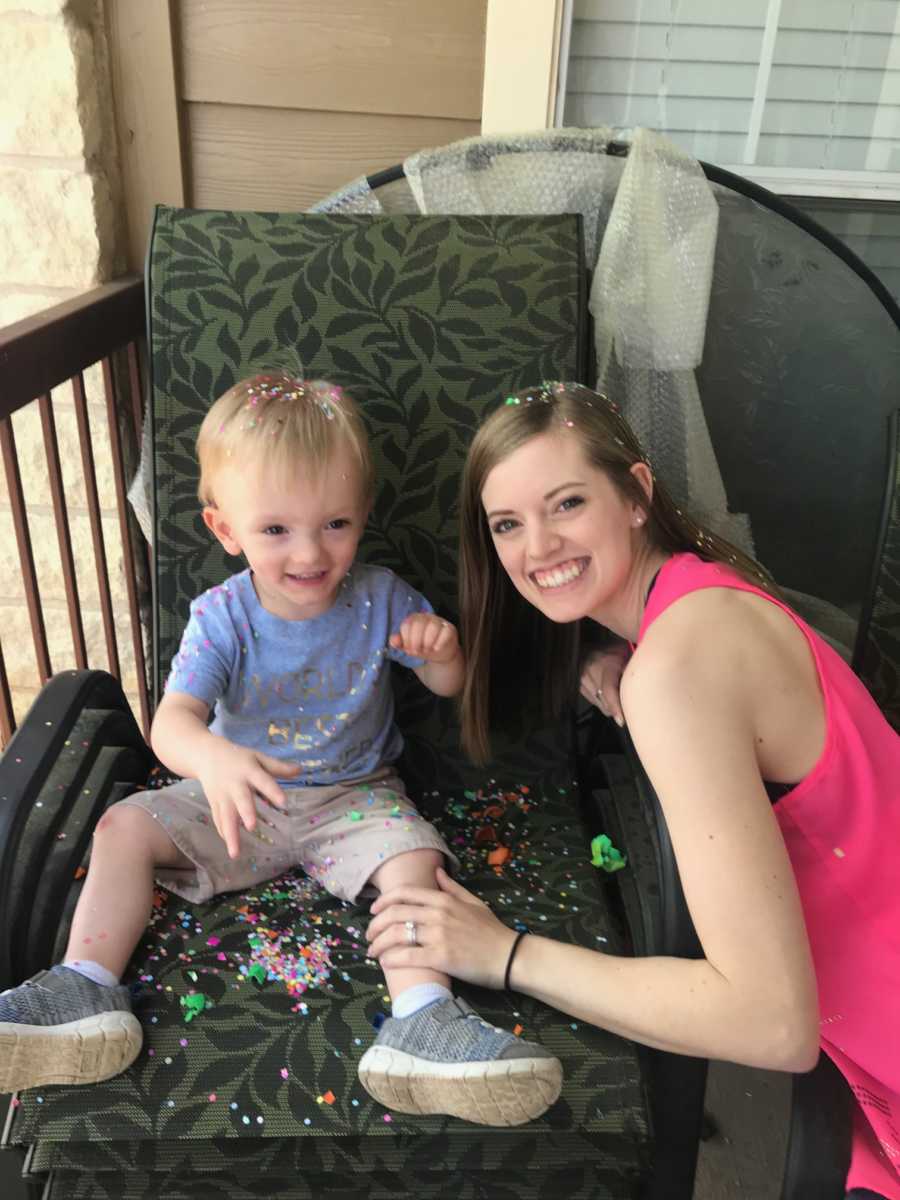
(800, 373)
(429, 321)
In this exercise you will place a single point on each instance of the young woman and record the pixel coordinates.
(778, 775)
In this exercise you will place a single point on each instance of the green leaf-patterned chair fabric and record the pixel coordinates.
(252, 1091)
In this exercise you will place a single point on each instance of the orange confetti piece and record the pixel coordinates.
(329, 1097)
(517, 1029)
(499, 856)
(80, 872)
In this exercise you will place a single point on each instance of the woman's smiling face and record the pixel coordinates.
(563, 532)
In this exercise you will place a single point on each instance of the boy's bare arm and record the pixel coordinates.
(425, 635)
(444, 678)
(179, 736)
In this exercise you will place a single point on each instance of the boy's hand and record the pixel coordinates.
(232, 777)
(426, 636)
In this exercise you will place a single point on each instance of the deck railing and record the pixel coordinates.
(102, 329)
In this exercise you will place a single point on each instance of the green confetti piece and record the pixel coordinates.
(355, 815)
(395, 811)
(258, 972)
(194, 1005)
(605, 855)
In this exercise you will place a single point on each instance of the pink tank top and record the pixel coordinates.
(841, 825)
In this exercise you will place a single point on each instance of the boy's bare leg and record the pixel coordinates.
(65, 1025)
(416, 868)
(117, 896)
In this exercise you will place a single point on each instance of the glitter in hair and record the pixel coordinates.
(281, 414)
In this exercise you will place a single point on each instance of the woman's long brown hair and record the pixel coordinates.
(510, 645)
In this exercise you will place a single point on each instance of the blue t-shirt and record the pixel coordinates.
(315, 692)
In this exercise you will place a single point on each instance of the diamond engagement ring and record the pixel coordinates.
(411, 938)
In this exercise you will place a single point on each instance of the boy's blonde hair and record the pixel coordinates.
(290, 422)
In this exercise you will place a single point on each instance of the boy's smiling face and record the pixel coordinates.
(299, 535)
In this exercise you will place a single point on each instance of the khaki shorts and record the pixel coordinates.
(340, 834)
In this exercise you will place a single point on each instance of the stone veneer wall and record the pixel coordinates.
(61, 233)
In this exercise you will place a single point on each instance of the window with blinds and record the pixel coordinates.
(808, 85)
(802, 96)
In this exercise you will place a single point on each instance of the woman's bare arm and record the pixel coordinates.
(752, 997)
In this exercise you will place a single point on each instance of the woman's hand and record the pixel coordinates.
(601, 674)
(456, 932)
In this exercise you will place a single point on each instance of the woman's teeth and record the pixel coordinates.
(559, 575)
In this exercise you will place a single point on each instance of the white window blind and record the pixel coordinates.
(805, 91)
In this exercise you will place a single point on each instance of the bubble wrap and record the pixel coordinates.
(551, 171)
(650, 299)
(355, 197)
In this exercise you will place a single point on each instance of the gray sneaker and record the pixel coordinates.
(445, 1059)
(60, 1027)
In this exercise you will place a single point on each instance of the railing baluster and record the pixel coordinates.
(7, 715)
(23, 541)
(134, 378)
(37, 355)
(63, 533)
(93, 503)
(109, 385)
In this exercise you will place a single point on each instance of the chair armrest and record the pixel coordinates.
(660, 923)
(42, 774)
(114, 771)
(818, 1153)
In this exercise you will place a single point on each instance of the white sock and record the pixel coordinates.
(93, 970)
(415, 998)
